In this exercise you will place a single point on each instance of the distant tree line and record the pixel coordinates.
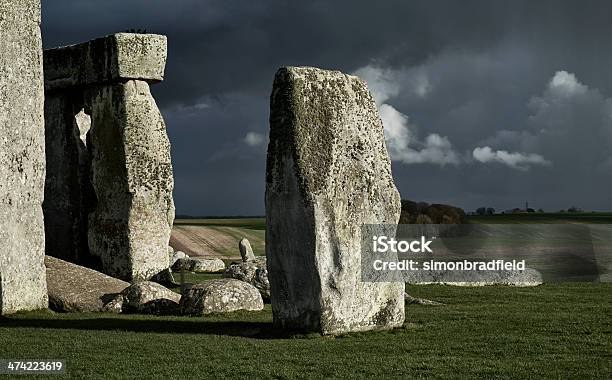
(425, 213)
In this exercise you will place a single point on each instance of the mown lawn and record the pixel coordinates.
(552, 331)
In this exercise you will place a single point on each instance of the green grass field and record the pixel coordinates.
(561, 330)
(552, 331)
(218, 237)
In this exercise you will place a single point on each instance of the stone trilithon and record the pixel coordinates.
(108, 198)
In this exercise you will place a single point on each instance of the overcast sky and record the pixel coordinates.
(485, 103)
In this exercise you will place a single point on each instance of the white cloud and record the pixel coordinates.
(381, 82)
(516, 160)
(254, 139)
(422, 87)
(400, 134)
(566, 84)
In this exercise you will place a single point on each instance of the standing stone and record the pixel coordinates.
(328, 173)
(246, 252)
(129, 229)
(109, 192)
(22, 158)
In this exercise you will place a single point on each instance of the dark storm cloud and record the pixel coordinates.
(466, 72)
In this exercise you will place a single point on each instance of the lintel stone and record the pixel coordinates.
(111, 59)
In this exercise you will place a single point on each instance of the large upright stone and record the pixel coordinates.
(22, 158)
(109, 187)
(130, 227)
(328, 173)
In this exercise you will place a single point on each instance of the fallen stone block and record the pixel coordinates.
(518, 278)
(198, 265)
(165, 278)
(220, 296)
(148, 297)
(73, 288)
(254, 272)
(177, 256)
(328, 173)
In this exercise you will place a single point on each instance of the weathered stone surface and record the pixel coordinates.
(246, 252)
(524, 278)
(114, 305)
(148, 297)
(220, 296)
(254, 272)
(109, 188)
(130, 226)
(73, 288)
(165, 278)
(22, 158)
(328, 173)
(182, 265)
(200, 265)
(110, 59)
(176, 256)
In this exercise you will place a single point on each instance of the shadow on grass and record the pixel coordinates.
(256, 330)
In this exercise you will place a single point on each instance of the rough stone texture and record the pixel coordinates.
(328, 173)
(246, 252)
(254, 272)
(22, 158)
(182, 265)
(528, 277)
(176, 256)
(129, 229)
(207, 265)
(198, 265)
(165, 278)
(73, 288)
(109, 184)
(148, 297)
(114, 58)
(220, 296)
